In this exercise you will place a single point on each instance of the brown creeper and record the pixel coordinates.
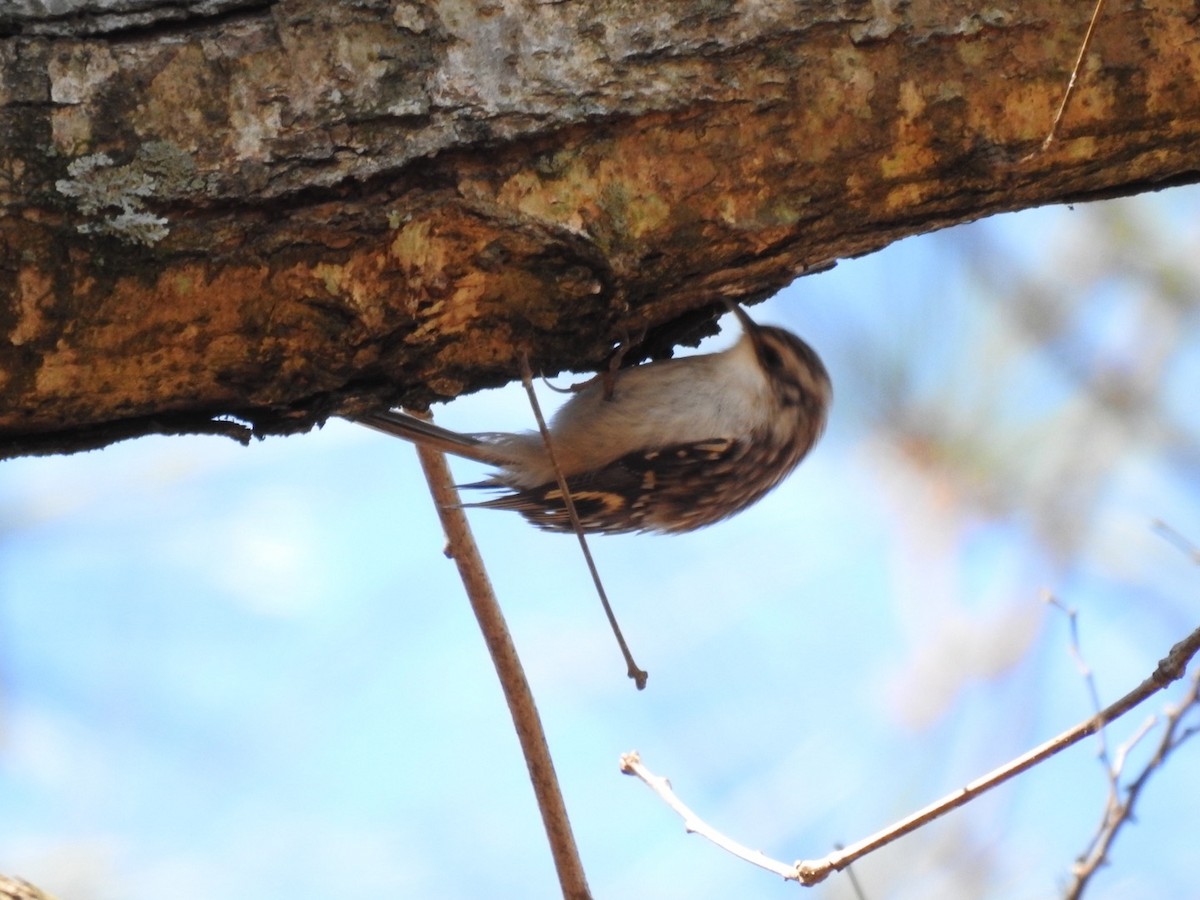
(667, 446)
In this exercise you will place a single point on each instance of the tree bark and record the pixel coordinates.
(246, 216)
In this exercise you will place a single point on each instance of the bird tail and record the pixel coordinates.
(418, 431)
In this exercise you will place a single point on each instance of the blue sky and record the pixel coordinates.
(251, 671)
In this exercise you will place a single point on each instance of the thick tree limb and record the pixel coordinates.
(286, 210)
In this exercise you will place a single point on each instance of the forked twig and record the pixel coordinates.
(808, 872)
(460, 545)
(859, 893)
(638, 675)
(1085, 672)
(1119, 812)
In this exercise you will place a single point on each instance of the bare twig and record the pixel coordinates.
(462, 548)
(1126, 747)
(852, 878)
(1083, 49)
(638, 675)
(808, 872)
(1114, 766)
(1178, 539)
(631, 764)
(1089, 679)
(1118, 812)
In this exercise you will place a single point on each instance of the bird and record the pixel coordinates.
(667, 446)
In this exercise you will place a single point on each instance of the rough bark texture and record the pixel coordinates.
(272, 212)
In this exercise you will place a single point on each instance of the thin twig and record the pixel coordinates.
(631, 764)
(808, 872)
(1085, 671)
(462, 548)
(1083, 49)
(638, 675)
(852, 878)
(1119, 812)
(1178, 539)
(1126, 747)
(1114, 766)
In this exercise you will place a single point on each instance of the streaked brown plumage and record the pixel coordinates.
(677, 445)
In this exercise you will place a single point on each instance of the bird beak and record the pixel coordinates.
(748, 324)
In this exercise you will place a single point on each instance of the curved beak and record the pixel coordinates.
(748, 324)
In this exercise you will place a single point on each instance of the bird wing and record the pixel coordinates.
(665, 489)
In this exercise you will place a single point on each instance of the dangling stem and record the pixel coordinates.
(638, 675)
(460, 545)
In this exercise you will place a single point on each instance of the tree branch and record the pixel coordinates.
(259, 221)
(461, 547)
(1119, 812)
(809, 872)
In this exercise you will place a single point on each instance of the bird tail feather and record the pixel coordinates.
(418, 431)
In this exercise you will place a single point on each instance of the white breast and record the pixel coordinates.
(696, 398)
